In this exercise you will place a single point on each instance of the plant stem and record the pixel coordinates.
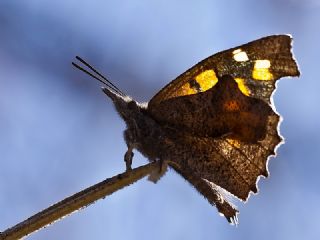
(77, 201)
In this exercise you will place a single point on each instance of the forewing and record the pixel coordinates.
(255, 66)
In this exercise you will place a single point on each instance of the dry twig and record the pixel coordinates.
(77, 201)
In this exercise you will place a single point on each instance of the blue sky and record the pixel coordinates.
(60, 134)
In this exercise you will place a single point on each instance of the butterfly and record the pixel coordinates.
(215, 124)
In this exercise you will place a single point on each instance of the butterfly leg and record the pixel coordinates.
(130, 136)
(158, 173)
(128, 156)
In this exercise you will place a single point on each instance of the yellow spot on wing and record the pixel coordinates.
(243, 88)
(206, 79)
(187, 90)
(234, 142)
(240, 56)
(261, 70)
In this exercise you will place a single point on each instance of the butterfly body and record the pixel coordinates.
(215, 124)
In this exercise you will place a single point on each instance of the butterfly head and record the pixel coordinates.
(125, 105)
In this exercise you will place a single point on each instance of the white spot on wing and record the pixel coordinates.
(239, 55)
(262, 64)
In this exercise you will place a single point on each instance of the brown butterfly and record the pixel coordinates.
(215, 124)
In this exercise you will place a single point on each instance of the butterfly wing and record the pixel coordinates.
(222, 108)
(213, 193)
(225, 136)
(232, 164)
(255, 66)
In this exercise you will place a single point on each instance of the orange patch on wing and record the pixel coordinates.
(231, 106)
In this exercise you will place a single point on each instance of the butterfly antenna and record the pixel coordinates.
(104, 80)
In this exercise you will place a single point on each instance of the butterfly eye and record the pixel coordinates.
(132, 105)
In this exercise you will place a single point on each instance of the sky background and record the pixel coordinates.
(60, 134)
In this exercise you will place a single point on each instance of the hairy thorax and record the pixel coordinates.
(147, 136)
